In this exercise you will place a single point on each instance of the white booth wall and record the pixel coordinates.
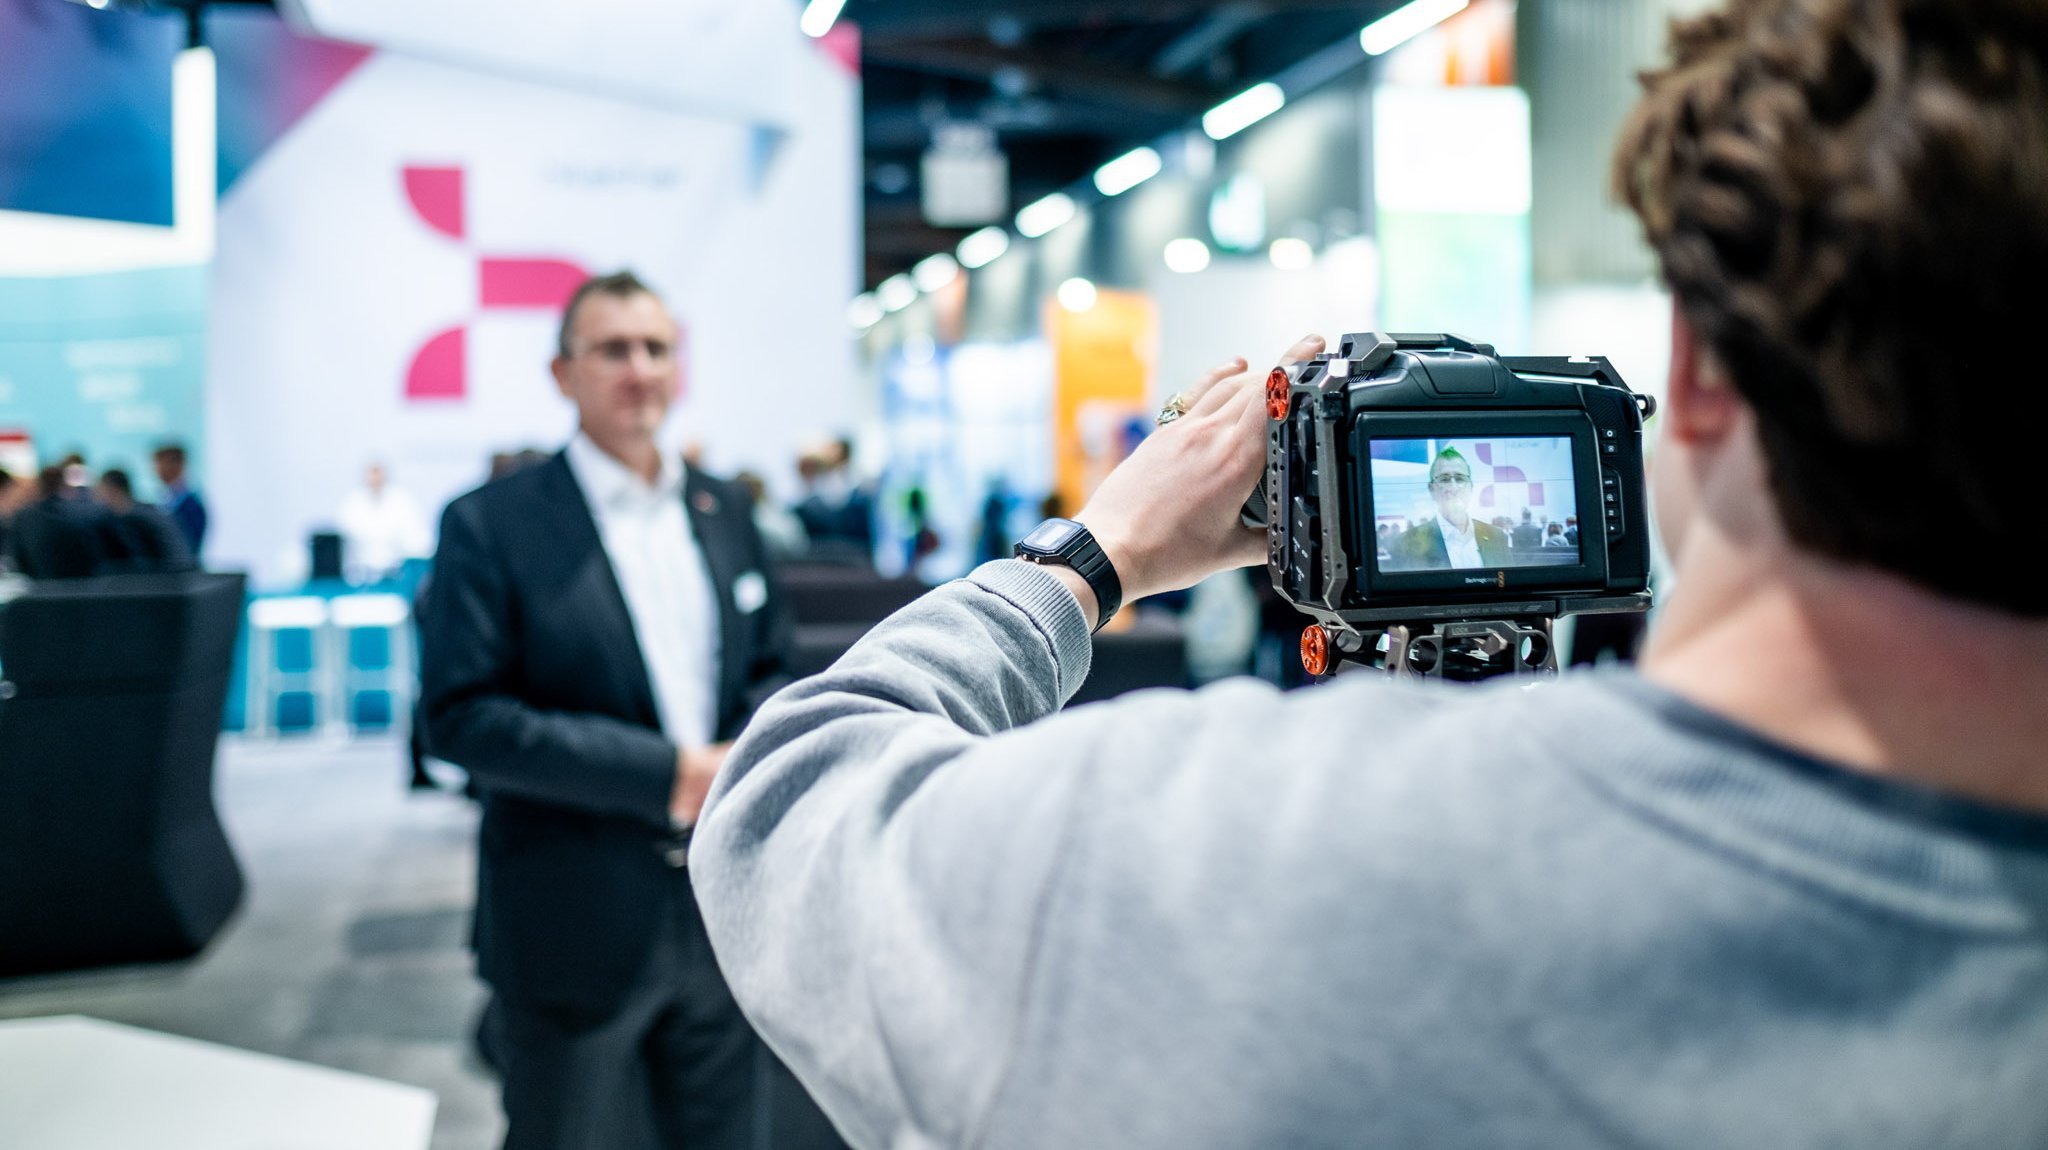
(330, 279)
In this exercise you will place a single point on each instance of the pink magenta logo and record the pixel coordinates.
(439, 369)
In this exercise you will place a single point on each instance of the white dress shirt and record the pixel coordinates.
(668, 590)
(1463, 546)
(383, 529)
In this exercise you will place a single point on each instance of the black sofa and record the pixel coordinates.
(111, 695)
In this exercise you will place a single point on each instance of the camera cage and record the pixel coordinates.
(1434, 623)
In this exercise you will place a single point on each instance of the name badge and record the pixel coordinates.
(749, 592)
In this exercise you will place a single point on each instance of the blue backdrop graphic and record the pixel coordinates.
(108, 365)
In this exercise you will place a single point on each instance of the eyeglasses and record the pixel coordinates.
(620, 351)
(1451, 480)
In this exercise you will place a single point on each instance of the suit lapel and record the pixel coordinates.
(1440, 546)
(596, 585)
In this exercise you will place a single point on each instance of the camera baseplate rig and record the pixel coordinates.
(1346, 430)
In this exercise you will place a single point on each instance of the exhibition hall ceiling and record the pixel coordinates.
(1064, 85)
(1056, 87)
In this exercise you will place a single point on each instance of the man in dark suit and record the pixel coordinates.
(149, 540)
(1454, 538)
(837, 512)
(181, 503)
(61, 535)
(598, 629)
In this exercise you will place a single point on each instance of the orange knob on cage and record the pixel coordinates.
(1315, 649)
(1276, 394)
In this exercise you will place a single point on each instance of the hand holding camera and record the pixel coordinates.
(1167, 517)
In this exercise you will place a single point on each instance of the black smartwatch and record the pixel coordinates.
(1065, 543)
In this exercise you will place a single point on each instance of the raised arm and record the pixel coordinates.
(877, 859)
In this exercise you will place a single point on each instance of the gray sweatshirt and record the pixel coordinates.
(1368, 914)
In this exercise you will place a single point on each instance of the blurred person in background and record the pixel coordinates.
(837, 510)
(504, 463)
(148, 541)
(382, 526)
(181, 503)
(994, 539)
(13, 493)
(1786, 885)
(779, 527)
(598, 629)
(77, 476)
(56, 534)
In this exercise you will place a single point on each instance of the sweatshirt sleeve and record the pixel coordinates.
(874, 860)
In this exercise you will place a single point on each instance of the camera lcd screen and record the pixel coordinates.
(1474, 502)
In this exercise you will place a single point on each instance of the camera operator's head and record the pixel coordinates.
(1846, 197)
(1450, 485)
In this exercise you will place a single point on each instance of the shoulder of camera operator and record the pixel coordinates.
(939, 920)
(923, 798)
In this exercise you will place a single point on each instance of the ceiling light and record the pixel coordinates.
(897, 292)
(1186, 255)
(1043, 216)
(935, 272)
(1076, 295)
(1407, 22)
(1291, 254)
(1127, 171)
(1243, 110)
(983, 247)
(864, 312)
(819, 16)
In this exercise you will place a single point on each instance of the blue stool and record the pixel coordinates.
(267, 682)
(349, 614)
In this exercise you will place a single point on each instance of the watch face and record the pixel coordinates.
(1050, 535)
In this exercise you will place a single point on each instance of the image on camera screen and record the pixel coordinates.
(1445, 504)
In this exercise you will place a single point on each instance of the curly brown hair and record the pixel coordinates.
(1849, 199)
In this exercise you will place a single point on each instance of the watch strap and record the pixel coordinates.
(1085, 556)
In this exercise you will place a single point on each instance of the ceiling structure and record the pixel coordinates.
(1064, 84)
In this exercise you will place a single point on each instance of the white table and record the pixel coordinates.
(75, 1083)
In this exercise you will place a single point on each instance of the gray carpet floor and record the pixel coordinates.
(350, 949)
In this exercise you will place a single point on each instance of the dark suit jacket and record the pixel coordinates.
(533, 682)
(150, 542)
(851, 522)
(188, 511)
(1421, 547)
(62, 538)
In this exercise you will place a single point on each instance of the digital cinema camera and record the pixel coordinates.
(1435, 507)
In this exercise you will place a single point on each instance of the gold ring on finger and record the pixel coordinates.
(1174, 409)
